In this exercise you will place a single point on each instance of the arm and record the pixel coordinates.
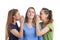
(16, 33)
(41, 32)
(38, 31)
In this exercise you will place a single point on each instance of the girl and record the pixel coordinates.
(29, 25)
(47, 24)
(12, 30)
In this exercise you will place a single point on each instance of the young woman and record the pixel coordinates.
(29, 25)
(12, 30)
(47, 24)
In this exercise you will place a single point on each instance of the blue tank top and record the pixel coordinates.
(29, 33)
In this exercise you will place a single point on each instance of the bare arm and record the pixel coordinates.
(41, 32)
(38, 31)
(16, 33)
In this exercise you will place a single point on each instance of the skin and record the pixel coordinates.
(17, 17)
(30, 16)
(44, 19)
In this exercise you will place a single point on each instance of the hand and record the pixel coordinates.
(21, 20)
(37, 19)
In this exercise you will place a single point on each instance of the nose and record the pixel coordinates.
(30, 13)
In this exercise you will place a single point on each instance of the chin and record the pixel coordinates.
(41, 19)
(31, 18)
(17, 19)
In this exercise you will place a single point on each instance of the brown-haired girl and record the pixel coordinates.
(29, 25)
(47, 24)
(12, 30)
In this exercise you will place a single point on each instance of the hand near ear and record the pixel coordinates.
(37, 19)
(21, 25)
(22, 20)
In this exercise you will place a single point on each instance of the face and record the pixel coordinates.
(17, 16)
(30, 13)
(43, 16)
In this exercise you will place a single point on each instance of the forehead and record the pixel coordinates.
(42, 11)
(17, 13)
(31, 9)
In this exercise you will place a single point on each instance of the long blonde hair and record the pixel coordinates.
(10, 20)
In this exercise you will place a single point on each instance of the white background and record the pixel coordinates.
(22, 5)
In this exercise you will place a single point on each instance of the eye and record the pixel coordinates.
(33, 11)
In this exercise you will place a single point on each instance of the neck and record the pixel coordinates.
(29, 20)
(45, 21)
(14, 22)
(29, 23)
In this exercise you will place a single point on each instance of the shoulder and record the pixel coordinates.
(49, 24)
(11, 26)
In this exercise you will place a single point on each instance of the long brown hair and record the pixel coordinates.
(10, 20)
(49, 12)
(26, 18)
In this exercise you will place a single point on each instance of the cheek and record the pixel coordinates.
(33, 14)
(28, 14)
(17, 17)
(42, 17)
